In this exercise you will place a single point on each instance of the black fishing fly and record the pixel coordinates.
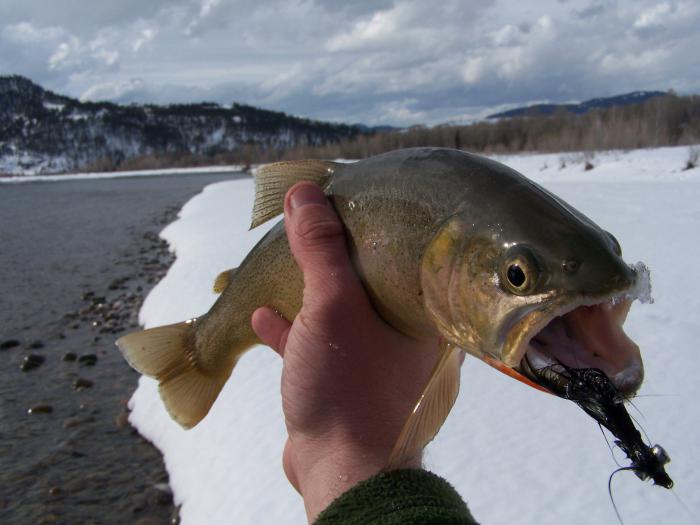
(593, 391)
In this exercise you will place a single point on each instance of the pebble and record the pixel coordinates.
(40, 409)
(72, 422)
(149, 520)
(122, 420)
(10, 343)
(88, 359)
(55, 491)
(70, 356)
(31, 362)
(81, 383)
(159, 498)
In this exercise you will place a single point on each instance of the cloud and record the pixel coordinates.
(398, 60)
(144, 38)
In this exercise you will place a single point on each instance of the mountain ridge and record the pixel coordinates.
(44, 132)
(634, 97)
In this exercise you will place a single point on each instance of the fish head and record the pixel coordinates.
(533, 287)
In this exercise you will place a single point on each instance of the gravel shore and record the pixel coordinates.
(78, 259)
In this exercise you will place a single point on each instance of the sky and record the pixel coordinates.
(375, 62)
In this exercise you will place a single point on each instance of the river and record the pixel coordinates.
(76, 259)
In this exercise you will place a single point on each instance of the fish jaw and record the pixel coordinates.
(584, 333)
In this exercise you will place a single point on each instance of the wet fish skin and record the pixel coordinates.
(429, 231)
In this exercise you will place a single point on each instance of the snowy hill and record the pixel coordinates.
(636, 97)
(42, 132)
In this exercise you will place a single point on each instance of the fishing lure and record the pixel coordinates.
(593, 391)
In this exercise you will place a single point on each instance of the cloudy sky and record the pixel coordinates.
(377, 62)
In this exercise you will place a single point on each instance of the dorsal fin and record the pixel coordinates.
(273, 181)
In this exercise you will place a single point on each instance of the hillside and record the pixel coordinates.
(43, 132)
(636, 97)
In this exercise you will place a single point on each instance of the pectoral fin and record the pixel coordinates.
(432, 407)
(273, 181)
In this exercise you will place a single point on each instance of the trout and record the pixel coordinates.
(448, 245)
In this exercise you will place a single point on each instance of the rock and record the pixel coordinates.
(40, 409)
(149, 520)
(10, 343)
(55, 491)
(70, 356)
(35, 345)
(159, 498)
(75, 421)
(122, 420)
(31, 362)
(72, 422)
(81, 383)
(88, 359)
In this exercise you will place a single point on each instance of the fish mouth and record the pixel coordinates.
(585, 335)
(583, 332)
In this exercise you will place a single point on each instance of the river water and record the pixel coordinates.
(76, 259)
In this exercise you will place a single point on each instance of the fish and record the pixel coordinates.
(449, 245)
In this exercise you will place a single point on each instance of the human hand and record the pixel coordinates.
(349, 380)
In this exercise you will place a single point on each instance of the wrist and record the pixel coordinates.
(323, 471)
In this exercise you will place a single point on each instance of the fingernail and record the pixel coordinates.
(306, 194)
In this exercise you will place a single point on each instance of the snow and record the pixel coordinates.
(515, 454)
(53, 106)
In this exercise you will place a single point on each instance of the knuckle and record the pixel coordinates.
(317, 227)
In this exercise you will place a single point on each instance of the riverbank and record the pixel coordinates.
(78, 259)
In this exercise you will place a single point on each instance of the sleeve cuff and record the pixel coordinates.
(398, 497)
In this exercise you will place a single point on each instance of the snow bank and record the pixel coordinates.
(516, 455)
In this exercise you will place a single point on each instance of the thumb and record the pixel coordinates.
(317, 240)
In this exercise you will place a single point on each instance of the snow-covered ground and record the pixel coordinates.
(516, 455)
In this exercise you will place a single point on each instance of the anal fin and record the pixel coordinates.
(432, 407)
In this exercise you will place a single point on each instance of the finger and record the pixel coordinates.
(271, 328)
(317, 240)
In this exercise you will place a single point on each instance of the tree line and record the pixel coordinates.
(669, 120)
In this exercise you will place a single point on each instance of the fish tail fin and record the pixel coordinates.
(166, 353)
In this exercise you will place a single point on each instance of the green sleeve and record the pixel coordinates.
(398, 497)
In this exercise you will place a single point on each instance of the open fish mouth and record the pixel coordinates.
(583, 334)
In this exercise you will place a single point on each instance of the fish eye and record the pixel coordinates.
(516, 275)
(520, 272)
(615, 244)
